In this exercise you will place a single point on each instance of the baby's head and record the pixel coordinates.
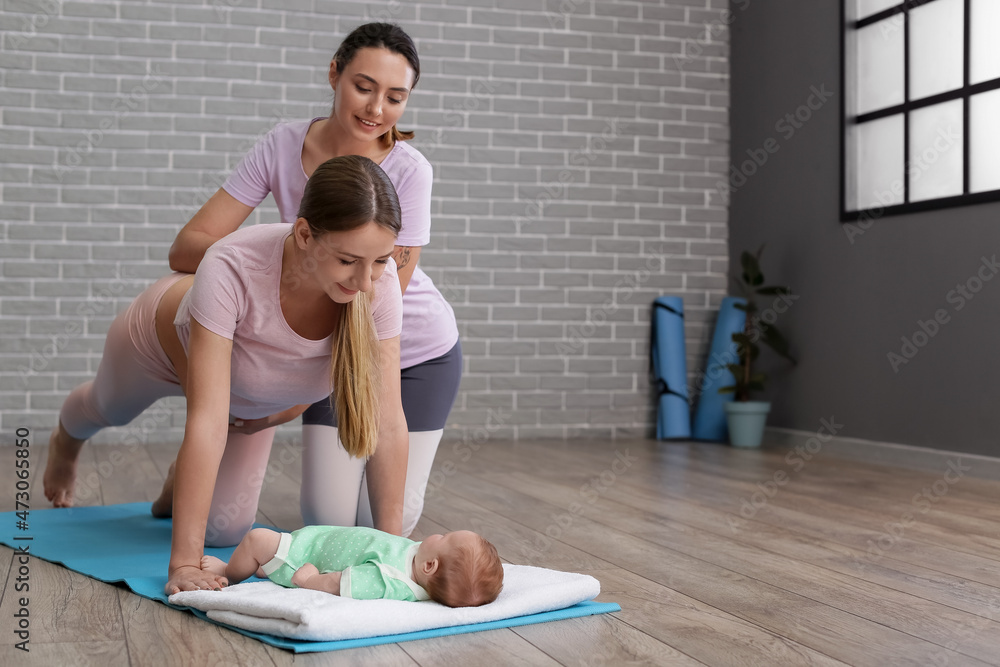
(459, 569)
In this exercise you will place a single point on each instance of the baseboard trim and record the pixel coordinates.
(886, 453)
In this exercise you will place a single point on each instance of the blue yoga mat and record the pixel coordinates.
(673, 419)
(710, 414)
(125, 543)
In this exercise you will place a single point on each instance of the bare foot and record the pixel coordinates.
(304, 574)
(163, 507)
(213, 565)
(59, 480)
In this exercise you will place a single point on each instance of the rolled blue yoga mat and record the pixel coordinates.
(670, 368)
(710, 414)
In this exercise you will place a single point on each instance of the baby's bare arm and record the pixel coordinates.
(308, 576)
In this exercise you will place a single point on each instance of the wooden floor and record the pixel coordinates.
(717, 557)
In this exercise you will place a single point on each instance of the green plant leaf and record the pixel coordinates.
(760, 274)
(776, 341)
(751, 269)
(750, 282)
(749, 262)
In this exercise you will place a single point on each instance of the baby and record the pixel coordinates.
(458, 569)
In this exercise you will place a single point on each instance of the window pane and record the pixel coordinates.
(936, 38)
(863, 8)
(935, 165)
(876, 154)
(984, 142)
(878, 65)
(985, 47)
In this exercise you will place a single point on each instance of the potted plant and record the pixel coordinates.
(746, 418)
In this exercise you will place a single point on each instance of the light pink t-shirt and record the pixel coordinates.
(235, 295)
(274, 165)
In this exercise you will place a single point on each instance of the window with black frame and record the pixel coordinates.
(921, 105)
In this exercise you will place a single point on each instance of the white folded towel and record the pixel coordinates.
(263, 606)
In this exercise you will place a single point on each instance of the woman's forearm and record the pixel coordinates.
(219, 216)
(386, 473)
(289, 414)
(194, 485)
(188, 250)
(205, 435)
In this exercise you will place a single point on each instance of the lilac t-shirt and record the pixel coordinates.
(235, 295)
(274, 165)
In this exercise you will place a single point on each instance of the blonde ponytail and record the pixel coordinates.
(356, 376)
(346, 193)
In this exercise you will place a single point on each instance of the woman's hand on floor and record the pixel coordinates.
(191, 578)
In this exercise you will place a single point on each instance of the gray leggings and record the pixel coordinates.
(427, 390)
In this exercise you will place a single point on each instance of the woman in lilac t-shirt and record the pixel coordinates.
(372, 74)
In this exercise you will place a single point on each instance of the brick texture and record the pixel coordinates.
(577, 145)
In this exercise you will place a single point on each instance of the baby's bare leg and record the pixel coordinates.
(255, 549)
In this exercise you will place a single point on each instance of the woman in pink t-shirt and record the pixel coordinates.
(274, 316)
(372, 75)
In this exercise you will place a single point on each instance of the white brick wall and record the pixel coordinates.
(576, 143)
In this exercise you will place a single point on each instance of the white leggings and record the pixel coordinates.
(334, 487)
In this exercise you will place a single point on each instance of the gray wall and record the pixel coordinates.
(576, 145)
(860, 293)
